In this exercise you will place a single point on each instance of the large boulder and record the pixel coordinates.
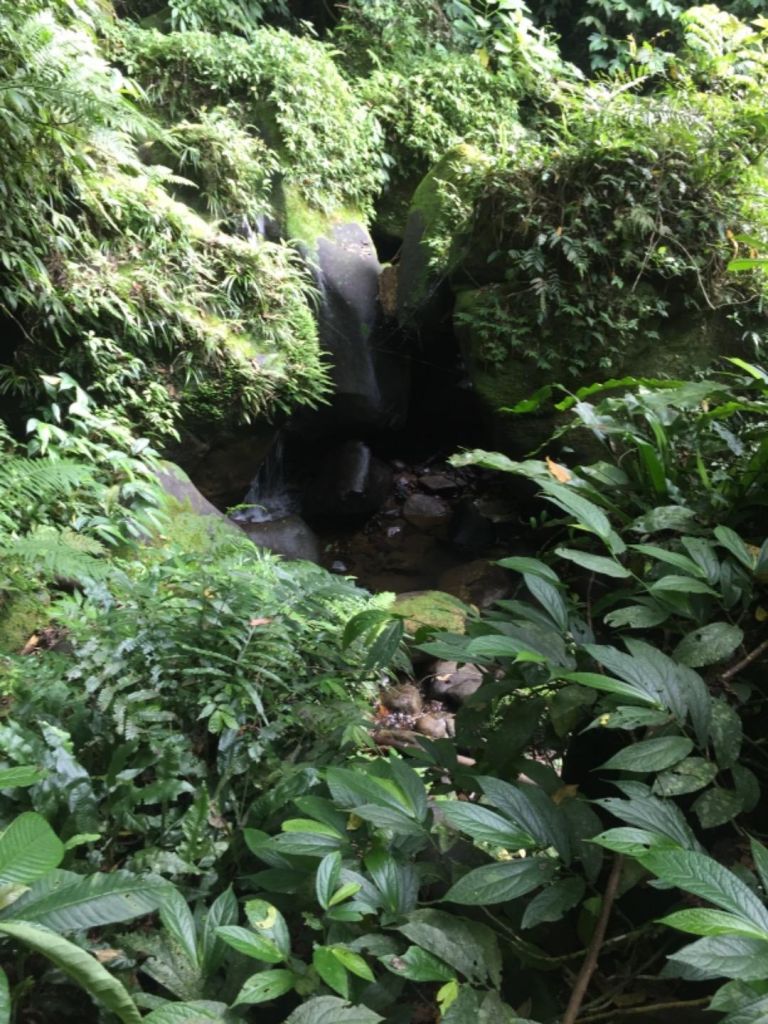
(289, 537)
(435, 244)
(369, 375)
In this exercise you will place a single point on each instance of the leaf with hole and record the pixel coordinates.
(417, 965)
(709, 644)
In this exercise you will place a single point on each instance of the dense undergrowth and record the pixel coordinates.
(197, 824)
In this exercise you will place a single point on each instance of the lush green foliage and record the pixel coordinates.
(190, 714)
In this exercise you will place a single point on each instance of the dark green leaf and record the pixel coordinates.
(484, 825)
(709, 644)
(251, 944)
(554, 901)
(266, 985)
(688, 776)
(717, 806)
(704, 877)
(726, 956)
(468, 946)
(417, 965)
(330, 1010)
(497, 883)
(29, 848)
(652, 755)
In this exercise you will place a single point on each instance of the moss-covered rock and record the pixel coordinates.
(20, 616)
(432, 609)
(438, 227)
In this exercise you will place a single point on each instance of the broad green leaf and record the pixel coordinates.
(631, 718)
(178, 921)
(344, 892)
(353, 962)
(554, 901)
(688, 776)
(417, 965)
(717, 806)
(67, 903)
(648, 670)
(84, 969)
(726, 956)
(331, 970)
(199, 1011)
(483, 824)
(754, 1012)
(652, 755)
(223, 911)
(587, 515)
(595, 563)
(703, 921)
(498, 646)
(497, 883)
(327, 878)
(681, 585)
(411, 786)
(352, 788)
(679, 561)
(531, 566)
(636, 616)
(709, 644)
(704, 877)
(389, 818)
(269, 923)
(633, 841)
(649, 812)
(247, 942)
(323, 810)
(609, 685)
(396, 882)
(20, 776)
(29, 849)
(330, 1010)
(730, 540)
(665, 517)
(725, 733)
(308, 825)
(532, 809)
(469, 947)
(550, 599)
(265, 985)
(305, 844)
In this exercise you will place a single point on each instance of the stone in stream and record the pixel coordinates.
(479, 582)
(289, 537)
(449, 682)
(437, 726)
(427, 512)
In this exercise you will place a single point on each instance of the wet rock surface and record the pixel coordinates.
(427, 533)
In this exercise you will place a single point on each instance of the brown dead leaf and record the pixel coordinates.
(560, 473)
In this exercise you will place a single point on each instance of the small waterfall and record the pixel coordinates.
(271, 495)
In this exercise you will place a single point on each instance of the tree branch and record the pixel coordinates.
(629, 1011)
(752, 656)
(593, 950)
